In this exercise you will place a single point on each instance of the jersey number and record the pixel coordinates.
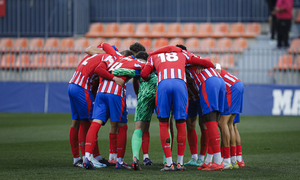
(168, 56)
(116, 65)
(86, 60)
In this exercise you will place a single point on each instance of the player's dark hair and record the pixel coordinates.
(142, 55)
(181, 46)
(137, 47)
(127, 53)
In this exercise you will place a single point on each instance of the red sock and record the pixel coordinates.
(210, 150)
(222, 152)
(113, 143)
(226, 152)
(84, 127)
(164, 135)
(91, 137)
(96, 149)
(145, 142)
(181, 138)
(193, 140)
(121, 141)
(233, 150)
(204, 142)
(238, 150)
(172, 139)
(73, 137)
(214, 136)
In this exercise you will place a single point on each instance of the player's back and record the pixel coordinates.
(229, 79)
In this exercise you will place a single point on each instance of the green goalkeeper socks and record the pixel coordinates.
(136, 143)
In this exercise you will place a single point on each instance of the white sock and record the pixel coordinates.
(98, 158)
(195, 156)
(233, 159)
(201, 157)
(180, 160)
(120, 160)
(89, 156)
(83, 157)
(217, 158)
(145, 156)
(76, 159)
(169, 161)
(208, 158)
(227, 160)
(239, 158)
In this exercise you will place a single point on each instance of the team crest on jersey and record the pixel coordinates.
(137, 65)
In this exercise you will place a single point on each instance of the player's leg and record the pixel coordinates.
(239, 156)
(232, 141)
(225, 143)
(113, 136)
(73, 138)
(192, 139)
(204, 140)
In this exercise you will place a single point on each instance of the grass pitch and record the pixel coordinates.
(36, 146)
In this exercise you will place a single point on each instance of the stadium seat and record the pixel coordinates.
(174, 30)
(8, 61)
(284, 62)
(22, 61)
(295, 46)
(81, 44)
(51, 44)
(158, 30)
(96, 29)
(36, 44)
(66, 44)
(175, 41)
(147, 42)
(236, 30)
(296, 64)
(53, 60)
(223, 45)
(142, 30)
(189, 30)
(239, 45)
(160, 42)
(214, 58)
(227, 61)
(39, 61)
(125, 44)
(69, 61)
(20, 45)
(5, 44)
(114, 41)
(204, 31)
(207, 45)
(220, 30)
(297, 19)
(192, 44)
(252, 30)
(97, 41)
(126, 30)
(110, 30)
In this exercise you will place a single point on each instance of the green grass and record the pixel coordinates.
(36, 146)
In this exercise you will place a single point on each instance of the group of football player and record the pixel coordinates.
(173, 82)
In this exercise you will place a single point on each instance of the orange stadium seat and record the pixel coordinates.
(174, 30)
(239, 45)
(223, 45)
(296, 64)
(205, 29)
(5, 44)
(284, 62)
(295, 46)
(114, 41)
(39, 61)
(22, 61)
(111, 30)
(67, 44)
(158, 30)
(96, 29)
(252, 30)
(236, 30)
(36, 44)
(207, 45)
(142, 30)
(189, 30)
(214, 58)
(69, 61)
(51, 44)
(126, 30)
(125, 44)
(53, 60)
(81, 44)
(8, 61)
(160, 42)
(175, 41)
(20, 44)
(147, 42)
(97, 41)
(220, 30)
(227, 61)
(192, 44)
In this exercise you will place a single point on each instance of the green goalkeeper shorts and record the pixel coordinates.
(146, 99)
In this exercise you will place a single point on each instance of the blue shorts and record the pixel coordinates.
(110, 106)
(236, 119)
(172, 93)
(81, 101)
(234, 99)
(212, 95)
(194, 109)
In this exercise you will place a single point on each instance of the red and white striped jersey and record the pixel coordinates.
(107, 86)
(204, 74)
(229, 79)
(85, 70)
(193, 88)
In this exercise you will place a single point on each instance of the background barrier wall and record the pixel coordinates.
(53, 98)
